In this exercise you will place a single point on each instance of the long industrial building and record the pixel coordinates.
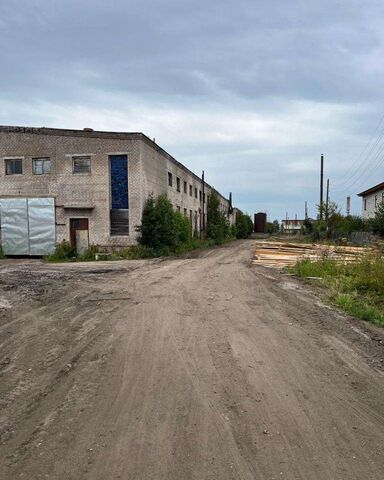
(87, 187)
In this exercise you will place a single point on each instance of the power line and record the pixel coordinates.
(346, 180)
(365, 174)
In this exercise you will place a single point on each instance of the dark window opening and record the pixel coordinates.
(195, 192)
(200, 196)
(185, 187)
(13, 167)
(190, 190)
(178, 184)
(170, 179)
(81, 165)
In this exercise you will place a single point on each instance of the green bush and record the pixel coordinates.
(1, 252)
(272, 227)
(218, 228)
(162, 229)
(244, 225)
(352, 223)
(63, 252)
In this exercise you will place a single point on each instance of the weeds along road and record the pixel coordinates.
(193, 368)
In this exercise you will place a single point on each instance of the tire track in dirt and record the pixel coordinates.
(194, 368)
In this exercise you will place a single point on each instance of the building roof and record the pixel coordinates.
(90, 133)
(376, 188)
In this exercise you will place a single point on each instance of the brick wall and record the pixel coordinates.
(148, 167)
(91, 189)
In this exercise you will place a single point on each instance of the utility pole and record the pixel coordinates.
(327, 204)
(202, 180)
(321, 185)
(306, 211)
(348, 205)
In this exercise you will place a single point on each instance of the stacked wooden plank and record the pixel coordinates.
(282, 254)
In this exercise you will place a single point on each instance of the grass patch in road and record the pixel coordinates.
(357, 288)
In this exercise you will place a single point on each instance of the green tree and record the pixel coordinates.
(352, 223)
(377, 222)
(163, 229)
(272, 227)
(217, 222)
(244, 225)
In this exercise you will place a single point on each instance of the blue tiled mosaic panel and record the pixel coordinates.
(119, 181)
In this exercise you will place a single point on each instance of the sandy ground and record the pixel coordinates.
(192, 368)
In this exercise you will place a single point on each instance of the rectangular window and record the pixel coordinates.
(195, 192)
(81, 165)
(375, 200)
(190, 190)
(178, 208)
(185, 212)
(365, 204)
(170, 180)
(41, 166)
(200, 196)
(178, 184)
(185, 187)
(13, 167)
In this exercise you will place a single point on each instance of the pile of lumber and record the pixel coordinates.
(282, 254)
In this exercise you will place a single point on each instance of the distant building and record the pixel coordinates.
(371, 199)
(292, 226)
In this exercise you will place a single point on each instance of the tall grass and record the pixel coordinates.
(357, 288)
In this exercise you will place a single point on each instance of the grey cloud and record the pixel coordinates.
(189, 58)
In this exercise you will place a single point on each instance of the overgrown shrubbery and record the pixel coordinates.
(272, 227)
(334, 224)
(163, 230)
(358, 288)
(218, 228)
(63, 253)
(244, 225)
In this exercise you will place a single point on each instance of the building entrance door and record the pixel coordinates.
(78, 234)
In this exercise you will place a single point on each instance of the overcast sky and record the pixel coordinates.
(250, 91)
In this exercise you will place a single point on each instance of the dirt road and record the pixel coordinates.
(195, 368)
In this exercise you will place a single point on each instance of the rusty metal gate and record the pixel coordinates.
(27, 226)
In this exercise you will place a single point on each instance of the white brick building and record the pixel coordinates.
(371, 198)
(97, 182)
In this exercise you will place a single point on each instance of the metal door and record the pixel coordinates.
(14, 226)
(41, 222)
(27, 226)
